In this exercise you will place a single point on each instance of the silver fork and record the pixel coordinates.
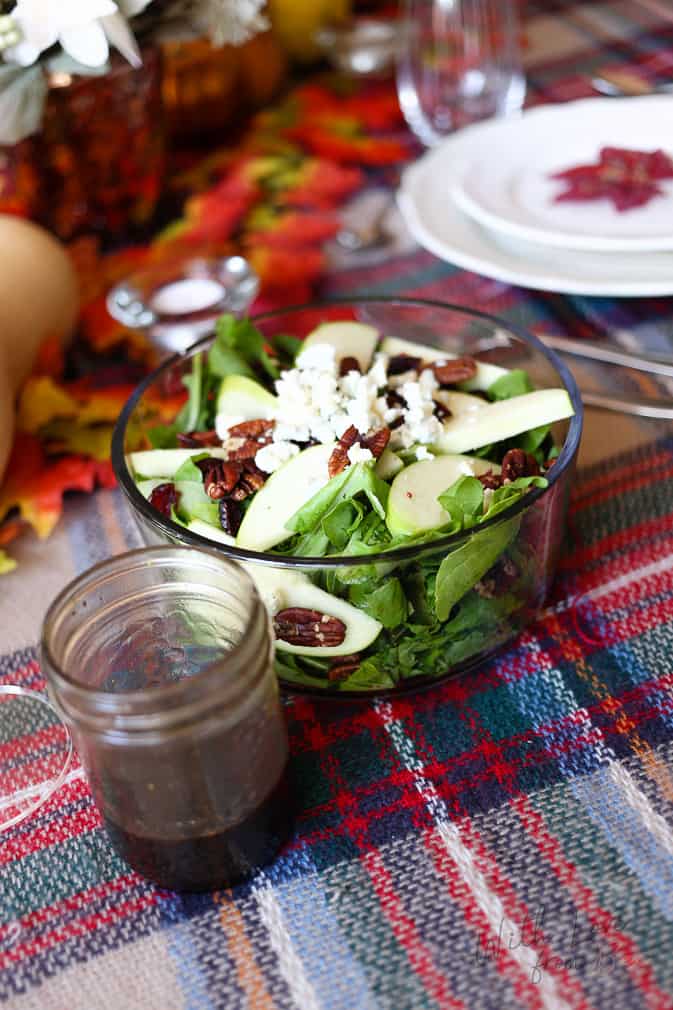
(661, 365)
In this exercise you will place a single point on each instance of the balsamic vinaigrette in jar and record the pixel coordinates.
(161, 661)
(226, 857)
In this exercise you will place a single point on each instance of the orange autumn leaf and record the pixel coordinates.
(322, 184)
(293, 229)
(281, 269)
(342, 140)
(35, 485)
(43, 401)
(7, 564)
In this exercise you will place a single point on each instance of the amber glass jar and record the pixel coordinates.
(161, 663)
(97, 164)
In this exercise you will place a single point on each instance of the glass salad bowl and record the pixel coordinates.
(391, 566)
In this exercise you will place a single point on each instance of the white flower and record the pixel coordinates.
(82, 27)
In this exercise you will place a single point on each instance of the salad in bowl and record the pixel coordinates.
(397, 494)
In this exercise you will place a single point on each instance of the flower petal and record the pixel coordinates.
(130, 8)
(86, 43)
(121, 37)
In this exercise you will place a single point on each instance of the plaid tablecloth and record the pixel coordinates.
(502, 841)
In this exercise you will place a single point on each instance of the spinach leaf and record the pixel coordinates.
(463, 568)
(514, 383)
(341, 522)
(288, 347)
(311, 513)
(354, 480)
(386, 603)
(464, 500)
(192, 415)
(505, 496)
(189, 470)
(239, 349)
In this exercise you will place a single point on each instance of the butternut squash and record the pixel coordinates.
(38, 298)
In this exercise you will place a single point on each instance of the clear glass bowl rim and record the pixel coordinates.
(400, 554)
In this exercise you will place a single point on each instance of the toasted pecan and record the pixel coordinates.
(454, 370)
(300, 626)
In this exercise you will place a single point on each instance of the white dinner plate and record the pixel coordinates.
(502, 172)
(437, 223)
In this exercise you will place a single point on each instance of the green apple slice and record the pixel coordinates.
(388, 464)
(280, 588)
(412, 503)
(484, 378)
(166, 462)
(504, 419)
(460, 404)
(244, 398)
(211, 532)
(349, 339)
(284, 493)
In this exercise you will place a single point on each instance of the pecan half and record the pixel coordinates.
(376, 441)
(454, 370)
(230, 516)
(342, 667)
(300, 626)
(252, 429)
(400, 363)
(491, 481)
(338, 461)
(349, 364)
(219, 476)
(251, 480)
(164, 497)
(196, 439)
(517, 463)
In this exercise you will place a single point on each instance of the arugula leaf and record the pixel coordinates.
(463, 568)
(386, 604)
(514, 383)
(310, 514)
(238, 349)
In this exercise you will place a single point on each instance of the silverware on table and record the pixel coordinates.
(660, 410)
(654, 364)
(611, 88)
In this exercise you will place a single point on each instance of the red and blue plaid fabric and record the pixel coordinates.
(504, 840)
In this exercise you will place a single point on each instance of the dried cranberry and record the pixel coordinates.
(230, 516)
(164, 497)
(401, 363)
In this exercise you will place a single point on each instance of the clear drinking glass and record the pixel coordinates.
(461, 64)
(161, 664)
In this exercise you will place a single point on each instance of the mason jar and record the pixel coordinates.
(160, 661)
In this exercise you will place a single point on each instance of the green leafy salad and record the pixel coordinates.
(354, 444)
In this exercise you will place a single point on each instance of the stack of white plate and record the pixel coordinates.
(484, 200)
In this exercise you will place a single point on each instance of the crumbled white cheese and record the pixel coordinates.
(357, 454)
(320, 356)
(315, 402)
(223, 422)
(272, 456)
(423, 453)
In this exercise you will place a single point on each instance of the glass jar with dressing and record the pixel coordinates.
(161, 663)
